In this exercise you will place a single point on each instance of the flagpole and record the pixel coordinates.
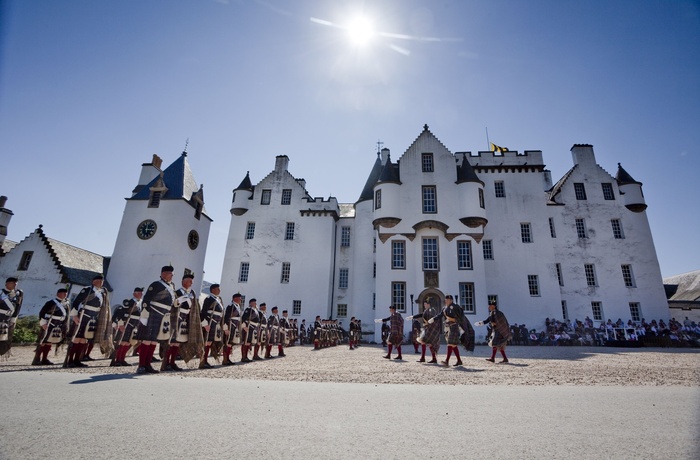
(488, 143)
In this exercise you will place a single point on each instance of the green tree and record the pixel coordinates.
(26, 329)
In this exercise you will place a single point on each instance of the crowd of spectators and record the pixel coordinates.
(654, 333)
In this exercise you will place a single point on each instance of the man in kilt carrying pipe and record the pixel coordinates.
(430, 331)
(500, 332)
(395, 337)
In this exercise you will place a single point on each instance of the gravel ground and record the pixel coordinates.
(533, 366)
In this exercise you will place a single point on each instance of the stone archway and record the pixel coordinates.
(437, 299)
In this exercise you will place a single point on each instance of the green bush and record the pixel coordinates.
(26, 329)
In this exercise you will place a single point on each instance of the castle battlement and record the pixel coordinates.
(508, 158)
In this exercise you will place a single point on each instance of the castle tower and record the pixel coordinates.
(631, 190)
(164, 222)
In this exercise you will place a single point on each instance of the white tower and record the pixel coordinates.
(164, 223)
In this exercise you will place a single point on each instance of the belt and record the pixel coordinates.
(58, 317)
(184, 310)
(89, 308)
(161, 305)
(134, 317)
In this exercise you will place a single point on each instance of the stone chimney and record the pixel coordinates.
(281, 163)
(583, 154)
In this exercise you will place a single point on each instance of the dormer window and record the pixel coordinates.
(158, 189)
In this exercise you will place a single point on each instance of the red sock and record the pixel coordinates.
(172, 354)
(503, 353)
(151, 352)
(493, 355)
(89, 348)
(398, 348)
(449, 353)
(45, 349)
(432, 352)
(279, 349)
(205, 356)
(391, 347)
(227, 353)
(456, 350)
(123, 350)
(422, 349)
(143, 353)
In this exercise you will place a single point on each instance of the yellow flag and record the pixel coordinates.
(496, 148)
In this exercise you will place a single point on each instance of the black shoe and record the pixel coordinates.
(36, 362)
(46, 362)
(150, 370)
(433, 361)
(490, 359)
(175, 367)
(246, 360)
(458, 363)
(114, 364)
(87, 358)
(281, 355)
(386, 357)
(141, 370)
(155, 360)
(79, 364)
(257, 358)
(399, 357)
(124, 364)
(422, 360)
(228, 363)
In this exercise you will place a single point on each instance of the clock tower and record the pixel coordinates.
(164, 223)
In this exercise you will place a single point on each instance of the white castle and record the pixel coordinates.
(489, 226)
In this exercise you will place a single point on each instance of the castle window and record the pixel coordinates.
(428, 162)
(590, 275)
(265, 197)
(429, 199)
(597, 309)
(398, 255)
(525, 232)
(286, 269)
(342, 310)
(287, 196)
(377, 199)
(430, 254)
(635, 312)
(250, 231)
(559, 275)
(466, 293)
(581, 228)
(628, 276)
(464, 255)
(533, 284)
(25, 260)
(608, 193)
(617, 229)
(580, 190)
(343, 278)
(289, 231)
(374, 270)
(500, 189)
(552, 231)
(296, 307)
(564, 310)
(345, 237)
(243, 274)
(154, 199)
(487, 246)
(198, 210)
(482, 205)
(398, 295)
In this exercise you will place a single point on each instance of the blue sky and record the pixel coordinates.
(90, 90)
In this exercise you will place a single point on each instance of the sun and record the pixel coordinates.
(360, 31)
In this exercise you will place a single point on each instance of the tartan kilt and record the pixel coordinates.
(215, 333)
(395, 338)
(430, 335)
(273, 336)
(452, 333)
(250, 335)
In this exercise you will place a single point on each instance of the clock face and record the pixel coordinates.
(193, 239)
(146, 229)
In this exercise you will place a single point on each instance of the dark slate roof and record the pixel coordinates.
(368, 190)
(390, 172)
(179, 181)
(465, 172)
(688, 286)
(77, 266)
(623, 177)
(246, 184)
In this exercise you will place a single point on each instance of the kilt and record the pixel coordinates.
(250, 336)
(452, 333)
(130, 330)
(234, 331)
(157, 326)
(88, 323)
(274, 335)
(395, 338)
(430, 335)
(214, 334)
(54, 330)
(262, 335)
(181, 326)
